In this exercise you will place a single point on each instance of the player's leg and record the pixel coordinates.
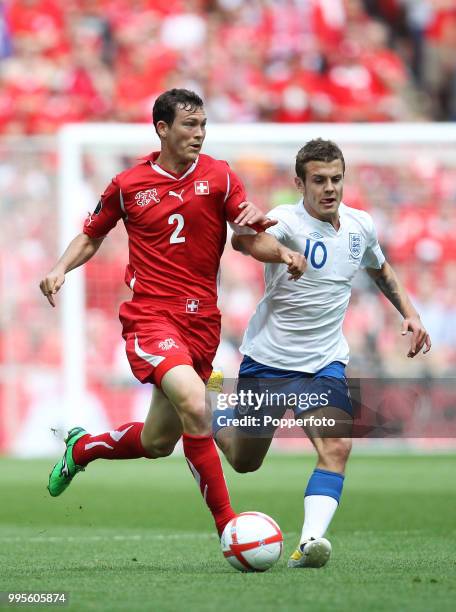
(187, 392)
(124, 442)
(244, 452)
(245, 445)
(144, 354)
(162, 428)
(324, 488)
(330, 429)
(176, 353)
(154, 438)
(149, 358)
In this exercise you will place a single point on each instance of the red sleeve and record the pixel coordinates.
(235, 195)
(106, 214)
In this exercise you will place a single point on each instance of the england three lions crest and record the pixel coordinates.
(355, 245)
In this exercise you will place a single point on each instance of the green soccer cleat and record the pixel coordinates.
(65, 470)
(313, 553)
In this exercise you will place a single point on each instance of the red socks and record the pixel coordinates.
(200, 452)
(122, 443)
(204, 463)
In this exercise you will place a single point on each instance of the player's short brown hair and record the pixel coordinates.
(317, 150)
(166, 104)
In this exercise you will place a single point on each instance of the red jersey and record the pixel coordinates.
(176, 225)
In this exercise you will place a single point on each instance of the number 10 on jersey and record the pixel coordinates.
(318, 253)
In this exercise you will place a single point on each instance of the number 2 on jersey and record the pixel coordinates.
(179, 219)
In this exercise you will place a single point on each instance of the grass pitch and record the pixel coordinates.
(135, 535)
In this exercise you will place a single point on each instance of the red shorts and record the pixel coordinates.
(161, 334)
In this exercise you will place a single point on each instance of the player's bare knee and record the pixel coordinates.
(157, 451)
(224, 441)
(334, 452)
(337, 448)
(195, 416)
(197, 423)
(243, 465)
(345, 446)
(157, 448)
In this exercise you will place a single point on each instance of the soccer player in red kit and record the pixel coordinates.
(174, 205)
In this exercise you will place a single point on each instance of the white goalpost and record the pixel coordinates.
(362, 143)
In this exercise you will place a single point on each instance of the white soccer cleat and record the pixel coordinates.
(313, 553)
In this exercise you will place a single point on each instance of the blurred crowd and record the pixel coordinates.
(261, 60)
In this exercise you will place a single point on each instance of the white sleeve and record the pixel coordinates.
(282, 229)
(241, 230)
(373, 256)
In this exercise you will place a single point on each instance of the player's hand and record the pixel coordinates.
(296, 263)
(419, 338)
(252, 215)
(51, 284)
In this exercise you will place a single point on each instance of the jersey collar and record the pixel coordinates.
(322, 225)
(156, 168)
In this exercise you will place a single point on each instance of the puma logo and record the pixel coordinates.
(177, 195)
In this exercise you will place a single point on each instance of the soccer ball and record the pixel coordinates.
(252, 542)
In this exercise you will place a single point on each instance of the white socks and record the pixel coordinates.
(318, 513)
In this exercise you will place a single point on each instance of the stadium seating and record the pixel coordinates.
(347, 60)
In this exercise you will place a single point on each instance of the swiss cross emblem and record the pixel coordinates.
(192, 305)
(202, 187)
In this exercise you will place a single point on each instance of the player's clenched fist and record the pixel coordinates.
(51, 284)
(296, 263)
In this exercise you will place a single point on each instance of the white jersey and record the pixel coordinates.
(298, 325)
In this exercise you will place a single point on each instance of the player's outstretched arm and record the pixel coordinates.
(389, 284)
(268, 249)
(80, 250)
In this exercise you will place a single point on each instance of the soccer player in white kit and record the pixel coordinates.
(294, 340)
